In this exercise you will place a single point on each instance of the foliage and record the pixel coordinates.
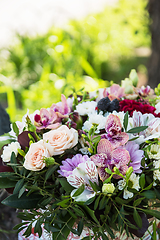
(101, 46)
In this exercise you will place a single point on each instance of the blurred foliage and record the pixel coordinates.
(101, 46)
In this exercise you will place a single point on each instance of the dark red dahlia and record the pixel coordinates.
(132, 105)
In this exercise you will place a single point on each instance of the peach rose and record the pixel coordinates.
(60, 139)
(34, 159)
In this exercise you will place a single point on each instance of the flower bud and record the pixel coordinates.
(133, 77)
(108, 188)
(49, 161)
(127, 85)
(70, 124)
(75, 117)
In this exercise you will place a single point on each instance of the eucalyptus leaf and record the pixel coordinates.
(125, 121)
(79, 191)
(137, 218)
(137, 129)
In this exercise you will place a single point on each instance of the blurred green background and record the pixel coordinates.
(87, 53)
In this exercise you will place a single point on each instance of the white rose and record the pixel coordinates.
(7, 151)
(34, 159)
(60, 139)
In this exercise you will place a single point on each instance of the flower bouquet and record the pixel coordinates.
(88, 163)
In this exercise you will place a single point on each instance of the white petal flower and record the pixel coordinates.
(154, 152)
(7, 151)
(95, 119)
(81, 175)
(134, 179)
(86, 108)
(156, 173)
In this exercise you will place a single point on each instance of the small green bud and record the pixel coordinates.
(49, 161)
(133, 77)
(90, 150)
(108, 188)
(127, 85)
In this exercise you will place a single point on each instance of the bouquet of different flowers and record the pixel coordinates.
(91, 161)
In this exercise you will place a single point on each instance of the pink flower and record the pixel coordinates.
(145, 91)
(62, 108)
(60, 139)
(114, 134)
(46, 119)
(34, 159)
(51, 118)
(109, 157)
(115, 92)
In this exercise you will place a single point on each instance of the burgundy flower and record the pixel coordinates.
(132, 105)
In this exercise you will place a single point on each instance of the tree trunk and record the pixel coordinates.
(154, 62)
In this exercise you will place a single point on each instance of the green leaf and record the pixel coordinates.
(24, 202)
(13, 162)
(38, 228)
(157, 193)
(138, 201)
(120, 200)
(142, 180)
(46, 201)
(137, 218)
(21, 191)
(20, 225)
(28, 230)
(21, 152)
(137, 129)
(79, 191)
(103, 202)
(18, 186)
(65, 229)
(125, 121)
(153, 213)
(78, 211)
(149, 194)
(89, 201)
(63, 203)
(65, 184)
(104, 237)
(109, 171)
(91, 213)
(15, 128)
(6, 174)
(96, 139)
(6, 183)
(80, 227)
(97, 202)
(94, 186)
(50, 171)
(71, 213)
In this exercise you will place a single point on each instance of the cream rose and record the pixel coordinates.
(34, 159)
(60, 139)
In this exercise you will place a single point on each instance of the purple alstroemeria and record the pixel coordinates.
(71, 163)
(62, 108)
(80, 170)
(46, 119)
(114, 134)
(136, 156)
(109, 157)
